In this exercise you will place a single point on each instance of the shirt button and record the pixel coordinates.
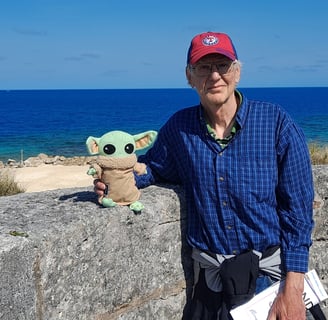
(224, 203)
(229, 227)
(221, 178)
(234, 251)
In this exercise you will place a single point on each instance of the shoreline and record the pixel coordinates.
(85, 159)
(43, 172)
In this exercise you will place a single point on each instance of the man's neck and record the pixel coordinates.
(222, 117)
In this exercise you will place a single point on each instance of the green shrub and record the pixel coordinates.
(8, 185)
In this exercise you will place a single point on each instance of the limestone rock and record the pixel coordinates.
(72, 259)
(82, 261)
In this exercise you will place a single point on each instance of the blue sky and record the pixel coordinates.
(88, 44)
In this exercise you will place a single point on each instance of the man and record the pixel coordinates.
(247, 177)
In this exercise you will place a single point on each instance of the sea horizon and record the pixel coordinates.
(156, 88)
(58, 121)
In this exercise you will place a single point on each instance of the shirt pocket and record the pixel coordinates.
(254, 179)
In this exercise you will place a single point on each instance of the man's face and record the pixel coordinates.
(215, 78)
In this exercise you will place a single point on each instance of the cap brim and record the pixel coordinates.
(202, 53)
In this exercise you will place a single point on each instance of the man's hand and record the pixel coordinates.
(99, 187)
(289, 304)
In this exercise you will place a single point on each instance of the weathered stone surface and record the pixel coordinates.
(320, 176)
(17, 284)
(319, 249)
(82, 261)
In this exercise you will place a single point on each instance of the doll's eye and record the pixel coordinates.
(129, 148)
(109, 149)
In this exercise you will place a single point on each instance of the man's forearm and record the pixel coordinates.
(294, 283)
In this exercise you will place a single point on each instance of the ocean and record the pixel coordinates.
(58, 122)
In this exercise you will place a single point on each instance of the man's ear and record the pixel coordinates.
(188, 76)
(237, 74)
(92, 144)
(145, 139)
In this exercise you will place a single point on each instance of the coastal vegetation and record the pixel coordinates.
(8, 185)
(318, 153)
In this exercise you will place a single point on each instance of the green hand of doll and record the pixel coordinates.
(116, 164)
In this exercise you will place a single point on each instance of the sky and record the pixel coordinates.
(110, 44)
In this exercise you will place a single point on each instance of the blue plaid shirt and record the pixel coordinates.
(254, 193)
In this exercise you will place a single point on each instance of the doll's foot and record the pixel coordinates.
(108, 203)
(136, 207)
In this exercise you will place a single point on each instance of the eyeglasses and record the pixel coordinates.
(205, 69)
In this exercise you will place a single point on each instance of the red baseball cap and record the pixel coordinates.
(210, 42)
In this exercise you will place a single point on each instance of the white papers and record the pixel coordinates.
(258, 307)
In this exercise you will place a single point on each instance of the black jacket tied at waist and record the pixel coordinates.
(238, 276)
(229, 280)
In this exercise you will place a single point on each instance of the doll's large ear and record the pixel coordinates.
(145, 139)
(93, 145)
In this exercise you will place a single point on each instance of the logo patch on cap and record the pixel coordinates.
(210, 41)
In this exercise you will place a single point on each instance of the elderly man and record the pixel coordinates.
(246, 172)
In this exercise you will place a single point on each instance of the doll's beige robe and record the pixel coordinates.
(118, 175)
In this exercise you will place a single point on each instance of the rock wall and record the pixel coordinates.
(319, 249)
(64, 257)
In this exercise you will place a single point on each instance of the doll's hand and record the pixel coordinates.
(91, 171)
(140, 168)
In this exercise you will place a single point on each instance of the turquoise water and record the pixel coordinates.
(57, 122)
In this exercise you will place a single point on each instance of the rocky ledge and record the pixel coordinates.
(64, 257)
(43, 158)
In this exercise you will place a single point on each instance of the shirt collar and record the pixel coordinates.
(242, 109)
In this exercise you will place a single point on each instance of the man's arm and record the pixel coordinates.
(295, 194)
(295, 199)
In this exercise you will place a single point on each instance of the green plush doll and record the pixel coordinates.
(116, 164)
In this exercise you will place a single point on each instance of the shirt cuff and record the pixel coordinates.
(296, 260)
